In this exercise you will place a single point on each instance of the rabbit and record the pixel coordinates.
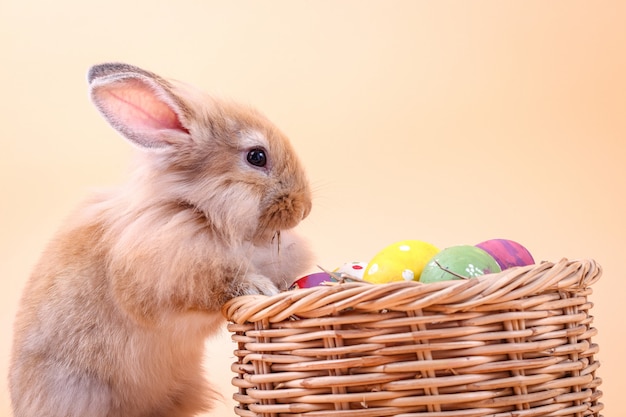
(114, 318)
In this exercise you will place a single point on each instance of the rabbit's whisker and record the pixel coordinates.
(276, 237)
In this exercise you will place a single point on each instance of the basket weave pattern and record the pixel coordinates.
(517, 343)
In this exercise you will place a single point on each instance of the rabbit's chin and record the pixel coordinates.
(266, 238)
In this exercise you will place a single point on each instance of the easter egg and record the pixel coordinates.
(507, 253)
(312, 280)
(458, 262)
(355, 269)
(400, 261)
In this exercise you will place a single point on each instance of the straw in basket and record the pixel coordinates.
(511, 344)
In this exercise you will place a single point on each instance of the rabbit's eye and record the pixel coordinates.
(257, 157)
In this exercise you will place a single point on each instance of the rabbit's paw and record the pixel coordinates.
(258, 284)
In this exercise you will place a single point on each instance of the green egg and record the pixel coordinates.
(459, 262)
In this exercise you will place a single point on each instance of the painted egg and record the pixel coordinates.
(355, 269)
(507, 253)
(400, 261)
(312, 280)
(458, 262)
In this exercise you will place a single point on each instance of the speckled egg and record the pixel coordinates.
(400, 261)
(312, 280)
(458, 262)
(355, 269)
(507, 253)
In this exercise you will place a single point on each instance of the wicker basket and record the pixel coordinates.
(517, 343)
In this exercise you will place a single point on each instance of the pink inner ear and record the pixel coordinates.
(137, 106)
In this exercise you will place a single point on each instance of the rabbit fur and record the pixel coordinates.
(114, 318)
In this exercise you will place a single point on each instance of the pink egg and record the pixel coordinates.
(507, 253)
(312, 280)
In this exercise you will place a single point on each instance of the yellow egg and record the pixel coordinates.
(401, 261)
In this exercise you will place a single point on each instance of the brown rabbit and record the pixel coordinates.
(114, 318)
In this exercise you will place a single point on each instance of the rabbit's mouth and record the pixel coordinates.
(284, 212)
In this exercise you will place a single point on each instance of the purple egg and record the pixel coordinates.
(507, 253)
(312, 280)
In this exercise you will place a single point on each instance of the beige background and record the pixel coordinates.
(450, 122)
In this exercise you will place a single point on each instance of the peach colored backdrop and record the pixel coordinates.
(450, 122)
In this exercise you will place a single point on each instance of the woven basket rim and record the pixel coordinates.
(511, 285)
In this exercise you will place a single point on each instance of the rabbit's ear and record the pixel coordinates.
(139, 105)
